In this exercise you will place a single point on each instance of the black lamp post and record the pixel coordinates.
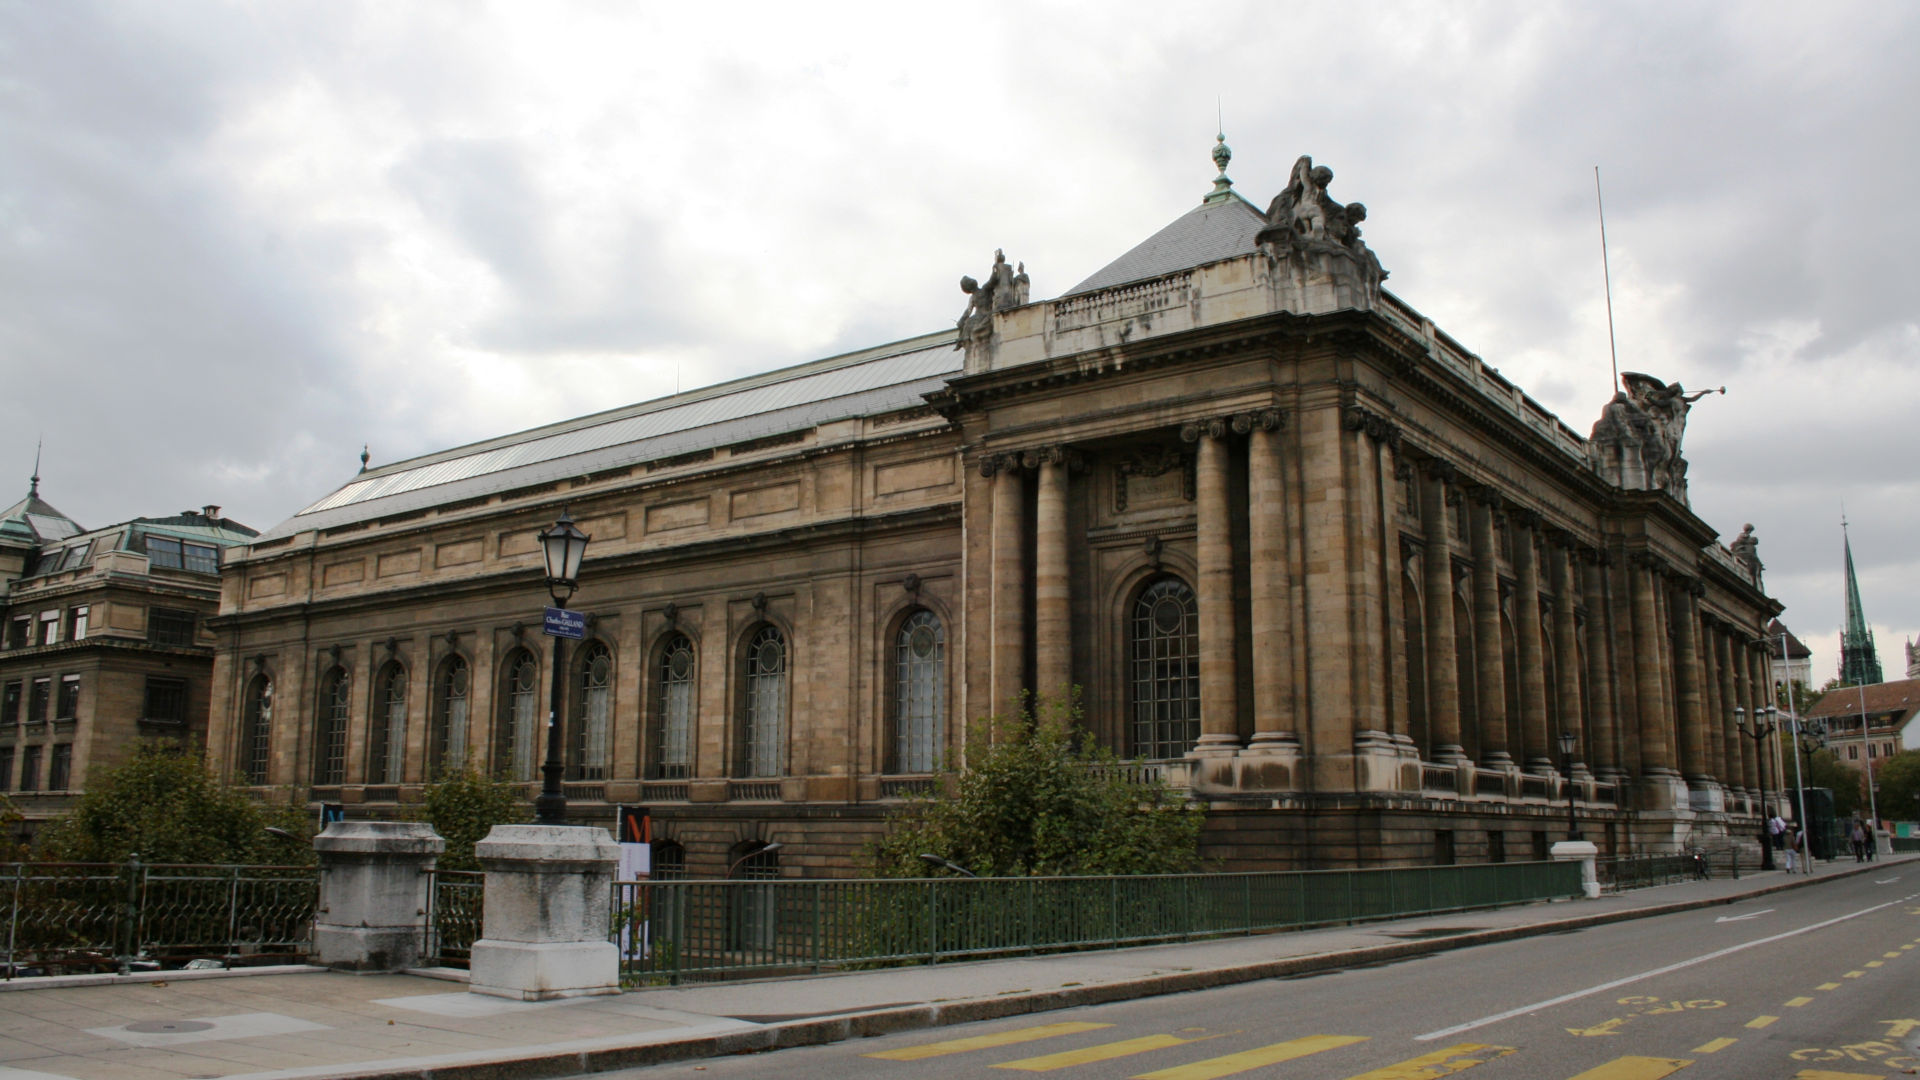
(564, 546)
(1762, 731)
(1567, 741)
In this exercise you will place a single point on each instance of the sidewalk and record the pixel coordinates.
(308, 1022)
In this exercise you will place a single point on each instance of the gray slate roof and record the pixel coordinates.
(865, 383)
(1214, 230)
(34, 519)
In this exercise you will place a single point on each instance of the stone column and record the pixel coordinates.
(1052, 604)
(1602, 727)
(1714, 736)
(1648, 643)
(1737, 744)
(1271, 602)
(1443, 679)
(374, 877)
(1694, 764)
(1528, 644)
(1213, 540)
(547, 912)
(1491, 695)
(1566, 647)
(1009, 648)
(1761, 764)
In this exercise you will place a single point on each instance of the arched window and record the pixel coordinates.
(447, 734)
(519, 715)
(919, 694)
(1164, 641)
(763, 704)
(669, 861)
(673, 711)
(592, 703)
(755, 915)
(330, 729)
(256, 741)
(387, 727)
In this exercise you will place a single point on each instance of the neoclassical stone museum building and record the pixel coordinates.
(1304, 555)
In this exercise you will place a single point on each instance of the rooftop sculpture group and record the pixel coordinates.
(1636, 441)
(1307, 226)
(1004, 288)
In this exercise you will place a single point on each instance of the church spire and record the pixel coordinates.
(1858, 664)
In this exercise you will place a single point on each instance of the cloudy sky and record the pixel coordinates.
(238, 241)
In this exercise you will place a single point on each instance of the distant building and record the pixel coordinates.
(1913, 660)
(103, 641)
(1859, 665)
(1796, 665)
(1889, 710)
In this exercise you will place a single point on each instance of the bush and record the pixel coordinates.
(1039, 798)
(164, 806)
(465, 805)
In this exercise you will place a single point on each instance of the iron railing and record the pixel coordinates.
(681, 930)
(454, 903)
(81, 917)
(1905, 845)
(1626, 872)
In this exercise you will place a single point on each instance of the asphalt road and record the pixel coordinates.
(1821, 983)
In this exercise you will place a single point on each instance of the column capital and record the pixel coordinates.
(1439, 469)
(1487, 495)
(1525, 517)
(1211, 428)
(1377, 427)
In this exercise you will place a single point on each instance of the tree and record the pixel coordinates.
(1038, 798)
(1824, 770)
(1899, 778)
(465, 805)
(164, 806)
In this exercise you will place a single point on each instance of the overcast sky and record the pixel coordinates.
(238, 241)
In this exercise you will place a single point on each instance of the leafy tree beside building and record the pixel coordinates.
(163, 805)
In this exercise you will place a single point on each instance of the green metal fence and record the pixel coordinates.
(79, 917)
(454, 902)
(1905, 845)
(674, 931)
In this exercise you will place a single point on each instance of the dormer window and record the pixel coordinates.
(166, 553)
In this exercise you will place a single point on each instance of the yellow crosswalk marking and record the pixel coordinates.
(1759, 1022)
(1227, 1065)
(1853, 974)
(1635, 1068)
(1715, 1046)
(1891, 955)
(1439, 1063)
(1823, 1074)
(1875, 963)
(1905, 947)
(983, 1042)
(1828, 986)
(1794, 1003)
(1103, 1052)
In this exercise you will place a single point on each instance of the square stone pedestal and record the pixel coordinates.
(549, 905)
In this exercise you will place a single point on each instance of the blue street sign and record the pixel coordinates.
(561, 622)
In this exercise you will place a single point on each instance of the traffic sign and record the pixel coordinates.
(561, 622)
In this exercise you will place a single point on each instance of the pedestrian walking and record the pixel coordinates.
(1859, 838)
(1792, 837)
(1777, 829)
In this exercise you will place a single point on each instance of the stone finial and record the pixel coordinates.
(1222, 186)
(365, 456)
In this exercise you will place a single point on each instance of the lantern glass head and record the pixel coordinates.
(1567, 741)
(564, 546)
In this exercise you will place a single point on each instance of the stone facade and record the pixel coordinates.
(1302, 553)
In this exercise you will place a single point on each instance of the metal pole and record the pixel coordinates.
(1799, 780)
(1873, 806)
(1760, 736)
(550, 806)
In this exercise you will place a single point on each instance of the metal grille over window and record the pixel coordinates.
(673, 732)
(387, 741)
(766, 703)
(920, 700)
(1166, 670)
(330, 733)
(259, 729)
(165, 626)
(166, 701)
(519, 712)
(592, 705)
(669, 861)
(450, 715)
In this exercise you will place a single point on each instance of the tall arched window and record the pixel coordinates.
(669, 861)
(330, 729)
(763, 704)
(919, 694)
(447, 734)
(592, 704)
(1165, 646)
(256, 741)
(387, 727)
(519, 713)
(672, 757)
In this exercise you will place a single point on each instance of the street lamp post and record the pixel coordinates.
(564, 545)
(1873, 804)
(1760, 733)
(1567, 741)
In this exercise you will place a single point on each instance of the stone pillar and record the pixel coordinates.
(1714, 735)
(373, 893)
(1213, 540)
(1694, 745)
(1586, 854)
(1724, 653)
(547, 913)
(1648, 643)
(1602, 727)
(1528, 645)
(1009, 649)
(1443, 679)
(1052, 604)
(1566, 648)
(1760, 766)
(1271, 603)
(1491, 692)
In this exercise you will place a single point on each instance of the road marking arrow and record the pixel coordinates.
(1743, 918)
(1611, 1027)
(1885, 881)
(1900, 1029)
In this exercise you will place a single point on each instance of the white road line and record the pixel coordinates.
(1743, 918)
(1449, 1032)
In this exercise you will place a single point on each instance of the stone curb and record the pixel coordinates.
(820, 1031)
(59, 982)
